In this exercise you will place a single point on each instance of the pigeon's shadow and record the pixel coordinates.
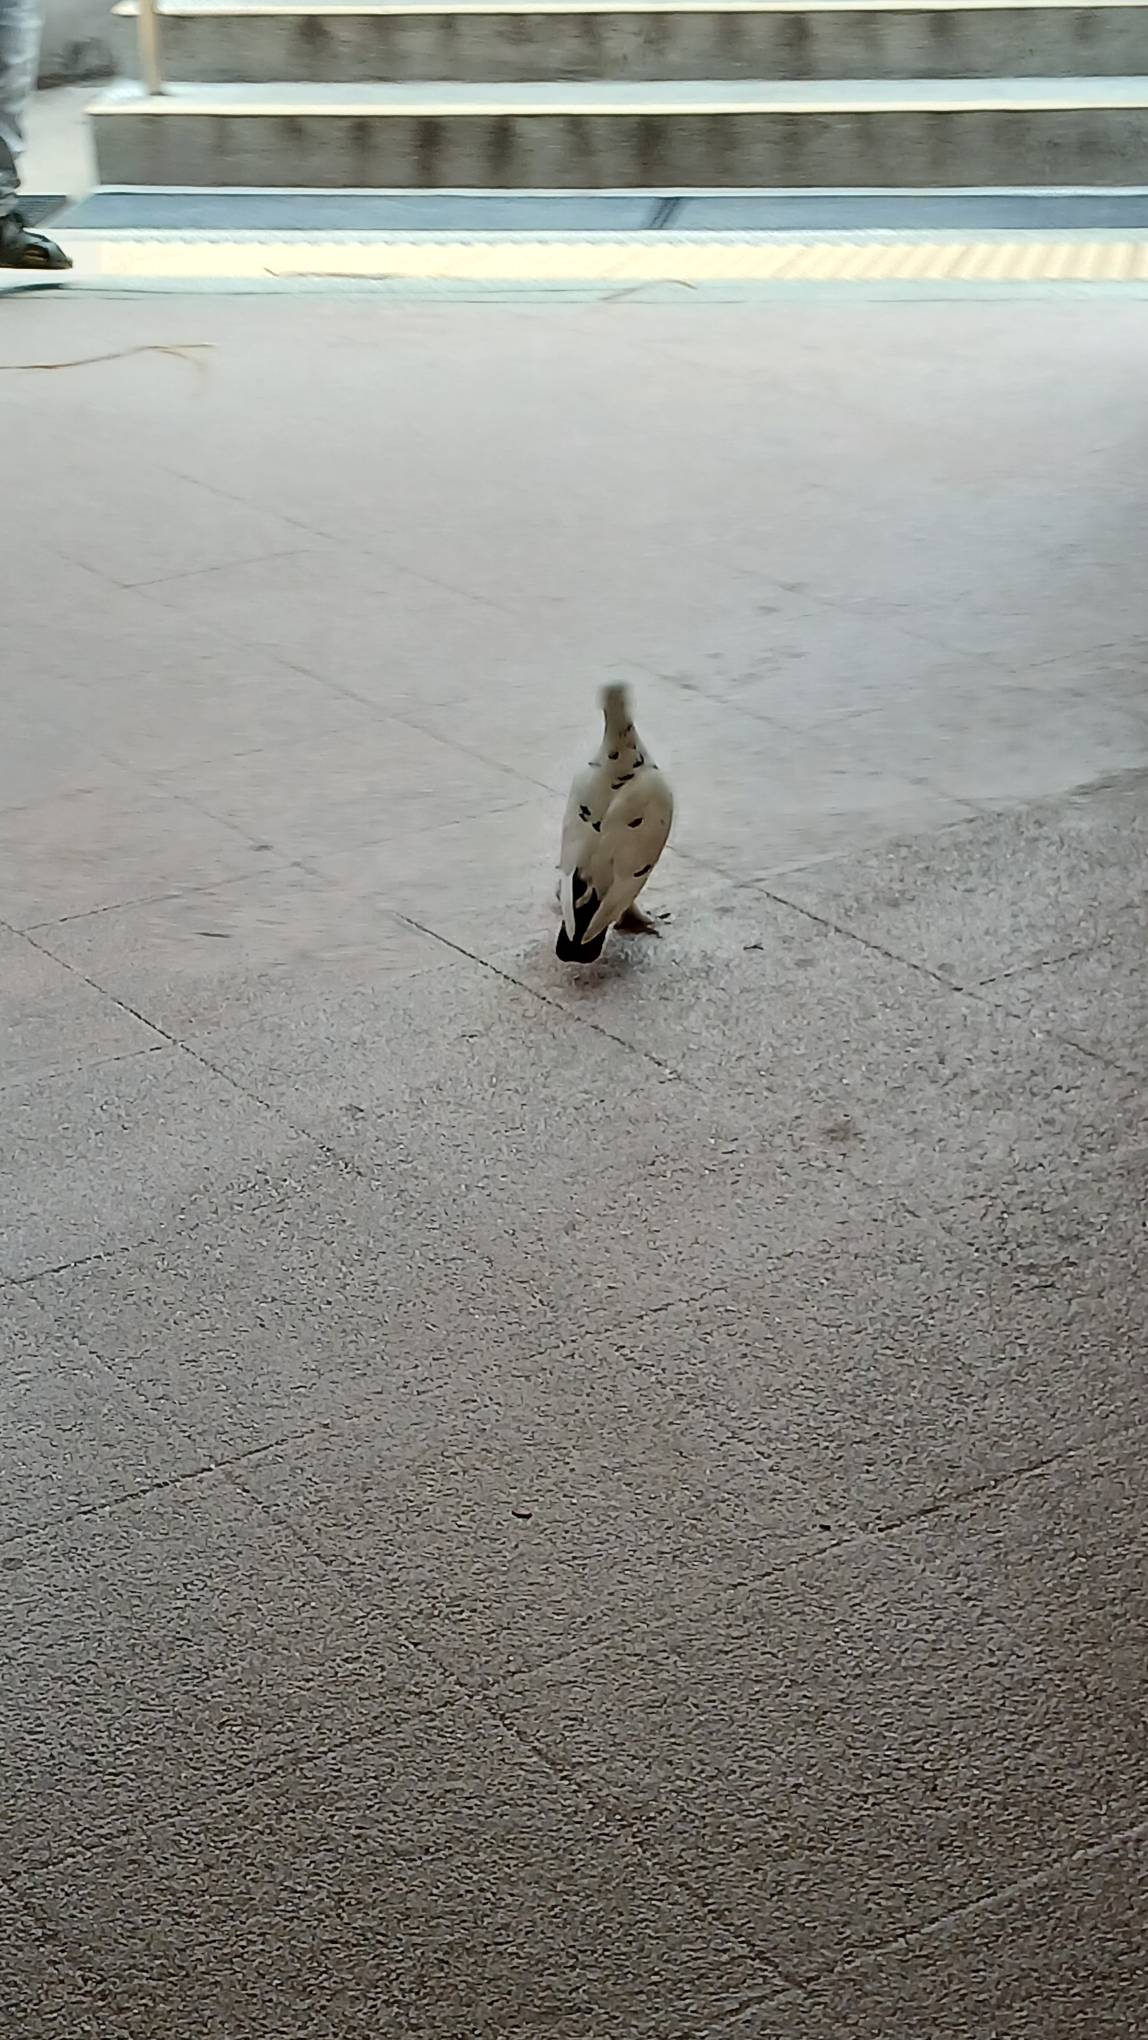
(624, 960)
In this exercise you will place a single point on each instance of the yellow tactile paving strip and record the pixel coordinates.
(657, 258)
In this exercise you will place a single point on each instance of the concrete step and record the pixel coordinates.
(787, 134)
(657, 41)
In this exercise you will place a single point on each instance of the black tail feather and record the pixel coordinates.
(574, 948)
(578, 952)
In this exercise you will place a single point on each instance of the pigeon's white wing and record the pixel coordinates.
(633, 836)
(581, 854)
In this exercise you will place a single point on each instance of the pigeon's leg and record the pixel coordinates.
(635, 922)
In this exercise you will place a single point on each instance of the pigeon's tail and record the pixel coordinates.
(572, 946)
(578, 952)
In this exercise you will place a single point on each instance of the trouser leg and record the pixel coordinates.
(20, 27)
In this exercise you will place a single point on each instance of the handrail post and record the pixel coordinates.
(151, 63)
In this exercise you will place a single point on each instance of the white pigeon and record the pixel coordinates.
(617, 822)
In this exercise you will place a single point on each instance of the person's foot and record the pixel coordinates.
(20, 248)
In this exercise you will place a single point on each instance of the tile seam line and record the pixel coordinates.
(80, 1261)
(1135, 1073)
(1036, 1880)
(360, 1408)
(908, 1943)
(799, 1981)
(67, 1069)
(665, 1070)
(76, 791)
(352, 1166)
(403, 715)
(854, 1531)
(481, 1700)
(183, 892)
(53, 1526)
(608, 1809)
(183, 1048)
(286, 1764)
(206, 574)
(1034, 1470)
(337, 543)
(500, 805)
(1042, 963)
(963, 987)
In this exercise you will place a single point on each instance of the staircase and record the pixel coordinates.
(655, 94)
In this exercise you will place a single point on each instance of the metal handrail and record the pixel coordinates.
(151, 59)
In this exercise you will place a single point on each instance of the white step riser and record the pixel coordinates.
(906, 147)
(465, 46)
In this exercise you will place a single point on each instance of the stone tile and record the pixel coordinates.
(835, 1756)
(43, 760)
(996, 894)
(91, 1160)
(488, 884)
(847, 1051)
(42, 1995)
(803, 664)
(1078, 1223)
(545, 722)
(118, 842)
(482, 883)
(512, 1906)
(172, 1648)
(754, 798)
(717, 757)
(53, 1019)
(790, 2016)
(1059, 1553)
(365, 785)
(71, 628)
(49, 587)
(78, 1438)
(593, 1181)
(1062, 1958)
(225, 953)
(358, 621)
(192, 710)
(541, 1498)
(1096, 998)
(323, 1290)
(892, 1369)
(132, 521)
(807, 573)
(1059, 607)
(326, 1287)
(1110, 673)
(985, 737)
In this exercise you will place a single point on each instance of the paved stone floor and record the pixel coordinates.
(555, 1508)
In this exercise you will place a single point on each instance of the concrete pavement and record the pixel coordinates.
(541, 1507)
